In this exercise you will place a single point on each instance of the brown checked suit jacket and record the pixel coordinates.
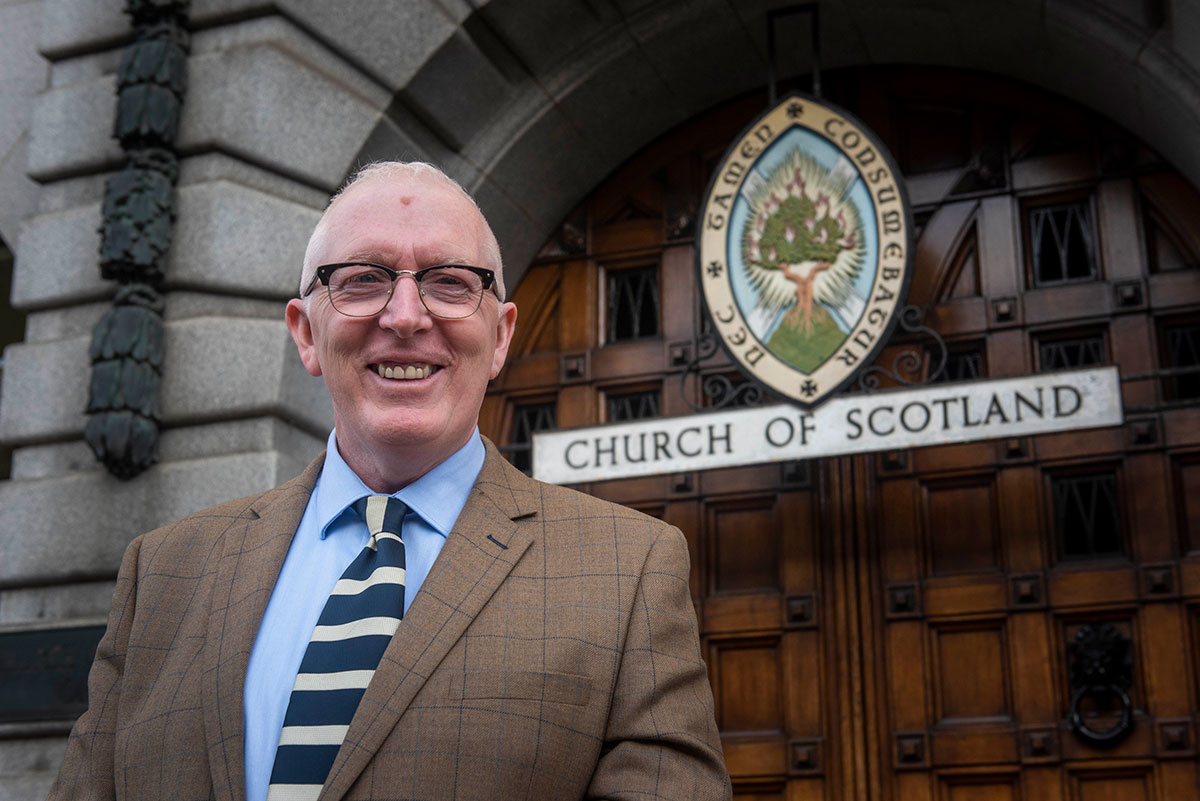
(551, 653)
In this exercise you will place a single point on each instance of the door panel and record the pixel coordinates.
(960, 526)
(745, 549)
(969, 675)
(899, 626)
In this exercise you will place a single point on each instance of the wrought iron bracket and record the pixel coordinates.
(907, 366)
(718, 392)
(717, 389)
(1100, 670)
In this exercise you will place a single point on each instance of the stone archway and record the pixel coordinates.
(531, 108)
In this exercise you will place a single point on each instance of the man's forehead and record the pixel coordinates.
(398, 192)
(376, 216)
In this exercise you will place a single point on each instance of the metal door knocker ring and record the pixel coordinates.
(1101, 668)
(1107, 736)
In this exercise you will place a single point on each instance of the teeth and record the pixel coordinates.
(402, 373)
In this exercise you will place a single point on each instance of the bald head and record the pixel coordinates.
(400, 173)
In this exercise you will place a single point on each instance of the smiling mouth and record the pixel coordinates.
(405, 372)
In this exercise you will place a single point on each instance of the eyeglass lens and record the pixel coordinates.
(362, 290)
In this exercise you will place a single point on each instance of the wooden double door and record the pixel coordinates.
(890, 627)
(918, 624)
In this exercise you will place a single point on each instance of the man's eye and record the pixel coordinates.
(361, 280)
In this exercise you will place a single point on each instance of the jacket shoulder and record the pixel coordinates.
(561, 510)
(580, 505)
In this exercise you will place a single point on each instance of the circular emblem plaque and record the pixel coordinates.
(805, 248)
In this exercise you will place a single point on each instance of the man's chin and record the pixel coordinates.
(410, 432)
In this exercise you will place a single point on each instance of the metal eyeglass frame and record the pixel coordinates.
(488, 278)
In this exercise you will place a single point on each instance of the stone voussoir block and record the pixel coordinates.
(45, 540)
(259, 102)
(232, 238)
(391, 40)
(229, 368)
(176, 444)
(24, 71)
(227, 237)
(76, 26)
(256, 100)
(58, 262)
(71, 130)
(459, 89)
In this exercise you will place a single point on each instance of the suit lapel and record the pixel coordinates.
(478, 555)
(253, 549)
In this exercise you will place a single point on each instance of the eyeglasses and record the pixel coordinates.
(363, 289)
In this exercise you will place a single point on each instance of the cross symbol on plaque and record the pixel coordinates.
(808, 388)
(714, 269)
(794, 109)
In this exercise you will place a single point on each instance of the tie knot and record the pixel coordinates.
(381, 513)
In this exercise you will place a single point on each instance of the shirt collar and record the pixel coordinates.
(438, 496)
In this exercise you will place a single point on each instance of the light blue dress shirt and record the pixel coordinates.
(328, 539)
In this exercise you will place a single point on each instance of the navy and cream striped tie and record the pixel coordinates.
(354, 629)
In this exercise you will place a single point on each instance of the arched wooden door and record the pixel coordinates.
(899, 625)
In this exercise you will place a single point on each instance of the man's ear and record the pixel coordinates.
(505, 326)
(300, 327)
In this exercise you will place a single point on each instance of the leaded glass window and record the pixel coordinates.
(632, 304)
(1182, 346)
(1068, 353)
(1086, 515)
(964, 362)
(1062, 240)
(528, 418)
(633, 405)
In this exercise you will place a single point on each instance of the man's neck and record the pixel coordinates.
(390, 471)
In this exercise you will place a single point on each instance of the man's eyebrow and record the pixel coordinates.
(446, 258)
(378, 257)
(435, 258)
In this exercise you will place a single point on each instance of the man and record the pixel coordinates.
(529, 641)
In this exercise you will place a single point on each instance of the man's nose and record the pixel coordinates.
(405, 313)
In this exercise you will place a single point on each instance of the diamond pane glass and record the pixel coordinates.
(1086, 516)
(1064, 354)
(964, 362)
(1182, 344)
(633, 406)
(1062, 241)
(632, 304)
(527, 419)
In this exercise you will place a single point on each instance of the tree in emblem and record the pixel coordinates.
(803, 244)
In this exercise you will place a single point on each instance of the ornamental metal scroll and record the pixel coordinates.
(1101, 671)
(138, 211)
(908, 366)
(717, 390)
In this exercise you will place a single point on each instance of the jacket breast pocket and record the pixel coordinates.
(557, 688)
